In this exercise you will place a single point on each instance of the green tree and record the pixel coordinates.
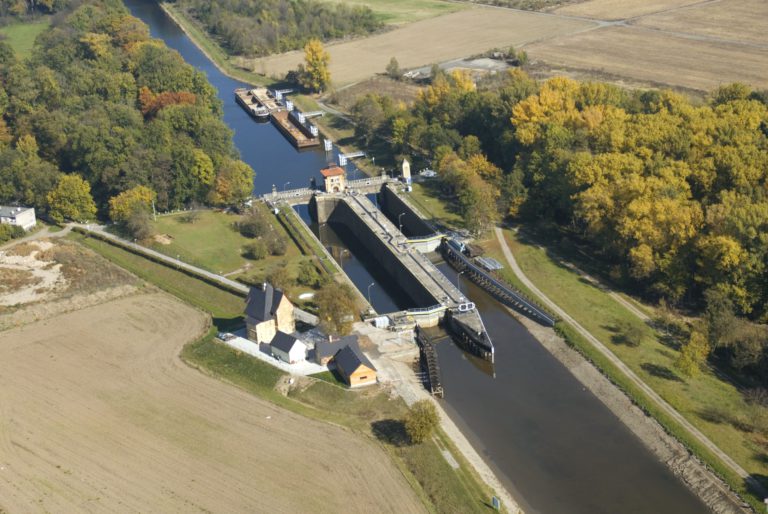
(256, 250)
(233, 184)
(420, 421)
(308, 274)
(314, 75)
(393, 69)
(71, 200)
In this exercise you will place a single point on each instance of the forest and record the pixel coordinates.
(22, 8)
(670, 195)
(249, 28)
(101, 111)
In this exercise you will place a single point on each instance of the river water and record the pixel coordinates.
(553, 444)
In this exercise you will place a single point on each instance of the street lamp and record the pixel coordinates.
(399, 222)
(458, 277)
(286, 185)
(369, 293)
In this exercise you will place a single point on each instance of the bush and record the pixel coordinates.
(308, 275)
(255, 251)
(253, 225)
(421, 421)
(8, 232)
(277, 246)
(280, 278)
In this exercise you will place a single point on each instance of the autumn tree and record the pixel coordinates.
(420, 421)
(71, 200)
(123, 205)
(314, 74)
(693, 354)
(233, 184)
(335, 308)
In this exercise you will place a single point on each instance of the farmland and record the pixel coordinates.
(464, 33)
(141, 430)
(682, 43)
(397, 12)
(21, 36)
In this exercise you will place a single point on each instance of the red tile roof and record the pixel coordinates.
(332, 171)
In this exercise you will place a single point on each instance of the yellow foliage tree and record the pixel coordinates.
(315, 75)
(71, 200)
(122, 206)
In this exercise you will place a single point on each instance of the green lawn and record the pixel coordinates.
(226, 307)
(21, 36)
(397, 12)
(211, 242)
(427, 197)
(713, 405)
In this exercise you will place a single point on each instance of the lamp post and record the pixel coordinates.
(369, 293)
(286, 185)
(399, 222)
(458, 280)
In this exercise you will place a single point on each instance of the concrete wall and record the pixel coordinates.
(335, 210)
(392, 205)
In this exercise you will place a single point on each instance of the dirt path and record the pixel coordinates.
(98, 414)
(661, 403)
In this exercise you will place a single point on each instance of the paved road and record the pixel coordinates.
(626, 370)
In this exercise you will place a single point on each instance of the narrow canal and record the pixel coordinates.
(275, 161)
(550, 441)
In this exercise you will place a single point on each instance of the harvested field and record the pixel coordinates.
(380, 85)
(90, 423)
(452, 36)
(650, 57)
(733, 20)
(622, 9)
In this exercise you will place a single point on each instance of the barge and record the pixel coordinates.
(257, 102)
(300, 132)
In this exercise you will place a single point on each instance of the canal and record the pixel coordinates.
(555, 446)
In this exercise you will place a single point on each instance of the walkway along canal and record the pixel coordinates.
(552, 443)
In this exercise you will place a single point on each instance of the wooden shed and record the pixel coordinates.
(354, 367)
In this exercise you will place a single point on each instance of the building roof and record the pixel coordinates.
(350, 358)
(263, 301)
(6, 211)
(325, 349)
(284, 342)
(332, 171)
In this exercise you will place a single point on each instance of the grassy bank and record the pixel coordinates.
(226, 307)
(211, 48)
(21, 36)
(711, 403)
(399, 12)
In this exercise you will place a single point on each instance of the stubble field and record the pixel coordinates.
(98, 413)
(439, 39)
(694, 45)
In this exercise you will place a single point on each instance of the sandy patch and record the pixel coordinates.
(42, 277)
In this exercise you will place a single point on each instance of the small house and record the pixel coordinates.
(23, 217)
(327, 350)
(287, 348)
(268, 311)
(335, 179)
(354, 367)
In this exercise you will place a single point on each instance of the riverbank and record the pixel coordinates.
(336, 127)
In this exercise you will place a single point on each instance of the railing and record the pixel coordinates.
(502, 291)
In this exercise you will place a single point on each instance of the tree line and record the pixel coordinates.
(670, 195)
(249, 28)
(22, 8)
(100, 110)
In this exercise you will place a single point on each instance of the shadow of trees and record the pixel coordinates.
(659, 371)
(390, 431)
